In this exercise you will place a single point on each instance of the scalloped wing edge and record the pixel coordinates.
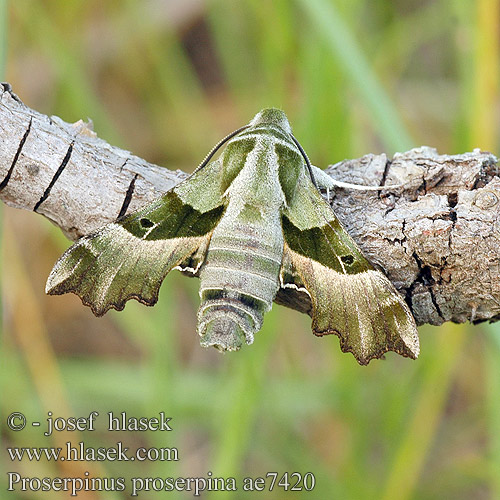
(111, 266)
(364, 310)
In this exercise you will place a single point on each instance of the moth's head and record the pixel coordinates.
(274, 117)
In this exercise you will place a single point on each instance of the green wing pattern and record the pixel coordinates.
(349, 297)
(131, 257)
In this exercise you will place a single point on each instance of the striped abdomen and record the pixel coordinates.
(240, 278)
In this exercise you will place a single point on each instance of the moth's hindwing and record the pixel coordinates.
(130, 258)
(349, 297)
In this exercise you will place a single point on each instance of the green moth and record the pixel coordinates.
(253, 226)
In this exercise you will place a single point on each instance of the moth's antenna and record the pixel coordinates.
(217, 146)
(306, 158)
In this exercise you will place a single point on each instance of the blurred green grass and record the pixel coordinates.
(166, 81)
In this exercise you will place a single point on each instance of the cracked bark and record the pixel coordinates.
(437, 238)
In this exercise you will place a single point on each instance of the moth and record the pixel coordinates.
(254, 227)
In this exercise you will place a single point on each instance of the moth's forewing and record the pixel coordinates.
(349, 297)
(130, 258)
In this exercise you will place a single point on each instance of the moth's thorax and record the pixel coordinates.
(262, 164)
(257, 182)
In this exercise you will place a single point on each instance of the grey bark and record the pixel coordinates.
(437, 237)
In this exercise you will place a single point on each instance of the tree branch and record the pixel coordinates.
(437, 238)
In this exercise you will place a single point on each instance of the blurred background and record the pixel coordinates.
(168, 79)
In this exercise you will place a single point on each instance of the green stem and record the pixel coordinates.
(3, 38)
(344, 47)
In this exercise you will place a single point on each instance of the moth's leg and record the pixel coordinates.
(323, 180)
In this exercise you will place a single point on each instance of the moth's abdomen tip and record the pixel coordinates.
(223, 333)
